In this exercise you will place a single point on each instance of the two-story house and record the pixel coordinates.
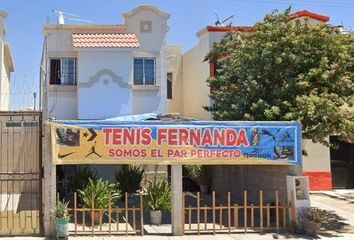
(100, 71)
(6, 66)
(191, 72)
(96, 71)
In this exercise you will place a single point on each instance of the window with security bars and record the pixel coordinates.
(63, 71)
(144, 71)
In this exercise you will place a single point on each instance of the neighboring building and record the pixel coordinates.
(195, 94)
(6, 67)
(101, 71)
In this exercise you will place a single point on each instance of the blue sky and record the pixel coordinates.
(26, 18)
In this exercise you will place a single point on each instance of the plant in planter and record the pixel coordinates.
(313, 219)
(129, 178)
(200, 174)
(98, 194)
(158, 198)
(62, 219)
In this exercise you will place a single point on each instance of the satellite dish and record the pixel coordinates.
(70, 16)
(221, 23)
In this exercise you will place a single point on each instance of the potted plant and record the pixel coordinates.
(62, 219)
(200, 174)
(158, 198)
(98, 194)
(313, 219)
(129, 179)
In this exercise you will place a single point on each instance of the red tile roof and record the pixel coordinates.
(305, 13)
(298, 14)
(229, 28)
(105, 40)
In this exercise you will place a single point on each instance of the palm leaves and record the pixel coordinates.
(99, 194)
(158, 196)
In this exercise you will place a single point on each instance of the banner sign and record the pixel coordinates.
(164, 142)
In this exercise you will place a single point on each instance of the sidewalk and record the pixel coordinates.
(239, 236)
(342, 194)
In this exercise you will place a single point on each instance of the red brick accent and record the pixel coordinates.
(319, 180)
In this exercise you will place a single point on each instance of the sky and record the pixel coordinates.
(26, 18)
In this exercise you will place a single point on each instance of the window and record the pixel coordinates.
(63, 71)
(169, 85)
(144, 71)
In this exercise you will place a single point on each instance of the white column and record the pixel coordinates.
(176, 211)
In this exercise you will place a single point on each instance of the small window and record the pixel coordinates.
(169, 85)
(63, 71)
(144, 71)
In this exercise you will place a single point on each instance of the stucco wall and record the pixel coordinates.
(174, 66)
(195, 88)
(62, 102)
(5, 87)
(103, 86)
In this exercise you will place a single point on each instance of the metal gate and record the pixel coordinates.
(20, 173)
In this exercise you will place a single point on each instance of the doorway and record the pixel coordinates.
(342, 163)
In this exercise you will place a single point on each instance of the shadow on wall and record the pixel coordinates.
(237, 179)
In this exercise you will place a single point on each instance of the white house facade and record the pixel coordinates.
(102, 71)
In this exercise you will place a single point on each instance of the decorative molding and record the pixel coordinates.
(94, 79)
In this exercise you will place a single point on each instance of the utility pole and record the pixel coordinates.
(34, 100)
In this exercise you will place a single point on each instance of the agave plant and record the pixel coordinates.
(61, 211)
(317, 215)
(158, 196)
(129, 178)
(97, 194)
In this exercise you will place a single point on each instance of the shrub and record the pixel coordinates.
(97, 193)
(129, 178)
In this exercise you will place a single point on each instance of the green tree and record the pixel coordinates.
(286, 70)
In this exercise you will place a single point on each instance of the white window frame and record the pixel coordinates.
(62, 83)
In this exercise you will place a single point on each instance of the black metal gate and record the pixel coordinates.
(20, 173)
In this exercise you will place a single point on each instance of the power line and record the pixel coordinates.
(293, 2)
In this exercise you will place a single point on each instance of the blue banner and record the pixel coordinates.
(168, 142)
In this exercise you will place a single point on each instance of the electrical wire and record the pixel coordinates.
(306, 3)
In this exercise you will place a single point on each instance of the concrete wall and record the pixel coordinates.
(317, 165)
(195, 88)
(103, 86)
(174, 66)
(5, 86)
(251, 179)
(195, 74)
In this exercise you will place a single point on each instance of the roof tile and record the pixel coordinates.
(105, 40)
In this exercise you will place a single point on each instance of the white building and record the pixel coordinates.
(6, 66)
(100, 71)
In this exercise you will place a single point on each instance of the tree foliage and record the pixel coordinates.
(286, 70)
